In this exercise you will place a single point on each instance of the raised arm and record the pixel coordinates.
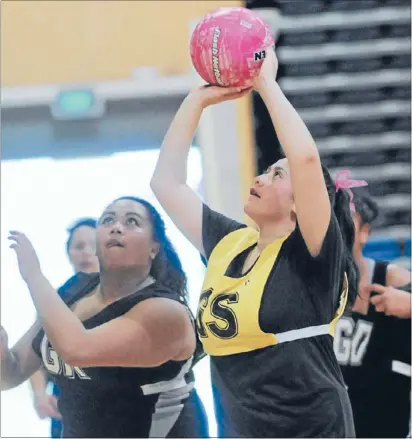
(153, 332)
(168, 183)
(312, 203)
(20, 362)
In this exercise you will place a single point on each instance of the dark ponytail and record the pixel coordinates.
(340, 202)
(366, 207)
(166, 267)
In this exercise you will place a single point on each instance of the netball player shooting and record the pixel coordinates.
(271, 297)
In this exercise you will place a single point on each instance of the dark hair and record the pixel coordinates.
(340, 202)
(82, 222)
(365, 206)
(166, 267)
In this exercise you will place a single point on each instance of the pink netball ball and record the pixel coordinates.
(228, 46)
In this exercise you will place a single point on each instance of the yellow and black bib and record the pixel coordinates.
(228, 312)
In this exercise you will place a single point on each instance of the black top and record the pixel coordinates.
(122, 401)
(374, 351)
(292, 389)
(62, 292)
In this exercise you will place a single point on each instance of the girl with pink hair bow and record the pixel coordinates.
(272, 294)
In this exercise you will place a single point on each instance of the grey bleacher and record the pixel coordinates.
(346, 67)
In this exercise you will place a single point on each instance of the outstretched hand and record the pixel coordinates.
(46, 406)
(211, 94)
(29, 265)
(390, 300)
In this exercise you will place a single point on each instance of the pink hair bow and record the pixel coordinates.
(343, 181)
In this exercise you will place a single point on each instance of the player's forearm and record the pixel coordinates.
(171, 167)
(38, 382)
(63, 328)
(291, 131)
(405, 301)
(10, 371)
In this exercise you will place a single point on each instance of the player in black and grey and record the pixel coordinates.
(122, 345)
(373, 343)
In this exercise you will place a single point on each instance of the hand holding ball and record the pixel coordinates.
(229, 45)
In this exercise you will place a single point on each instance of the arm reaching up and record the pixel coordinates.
(168, 183)
(308, 182)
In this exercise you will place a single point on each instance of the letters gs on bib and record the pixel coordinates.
(217, 310)
(228, 46)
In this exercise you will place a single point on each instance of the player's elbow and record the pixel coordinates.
(155, 182)
(166, 180)
(308, 157)
(71, 358)
(186, 348)
(159, 186)
(76, 354)
(175, 350)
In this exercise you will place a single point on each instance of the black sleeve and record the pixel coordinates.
(328, 264)
(399, 329)
(406, 288)
(35, 344)
(401, 340)
(215, 226)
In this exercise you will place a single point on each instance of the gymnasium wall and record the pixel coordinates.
(61, 169)
(116, 44)
(74, 41)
